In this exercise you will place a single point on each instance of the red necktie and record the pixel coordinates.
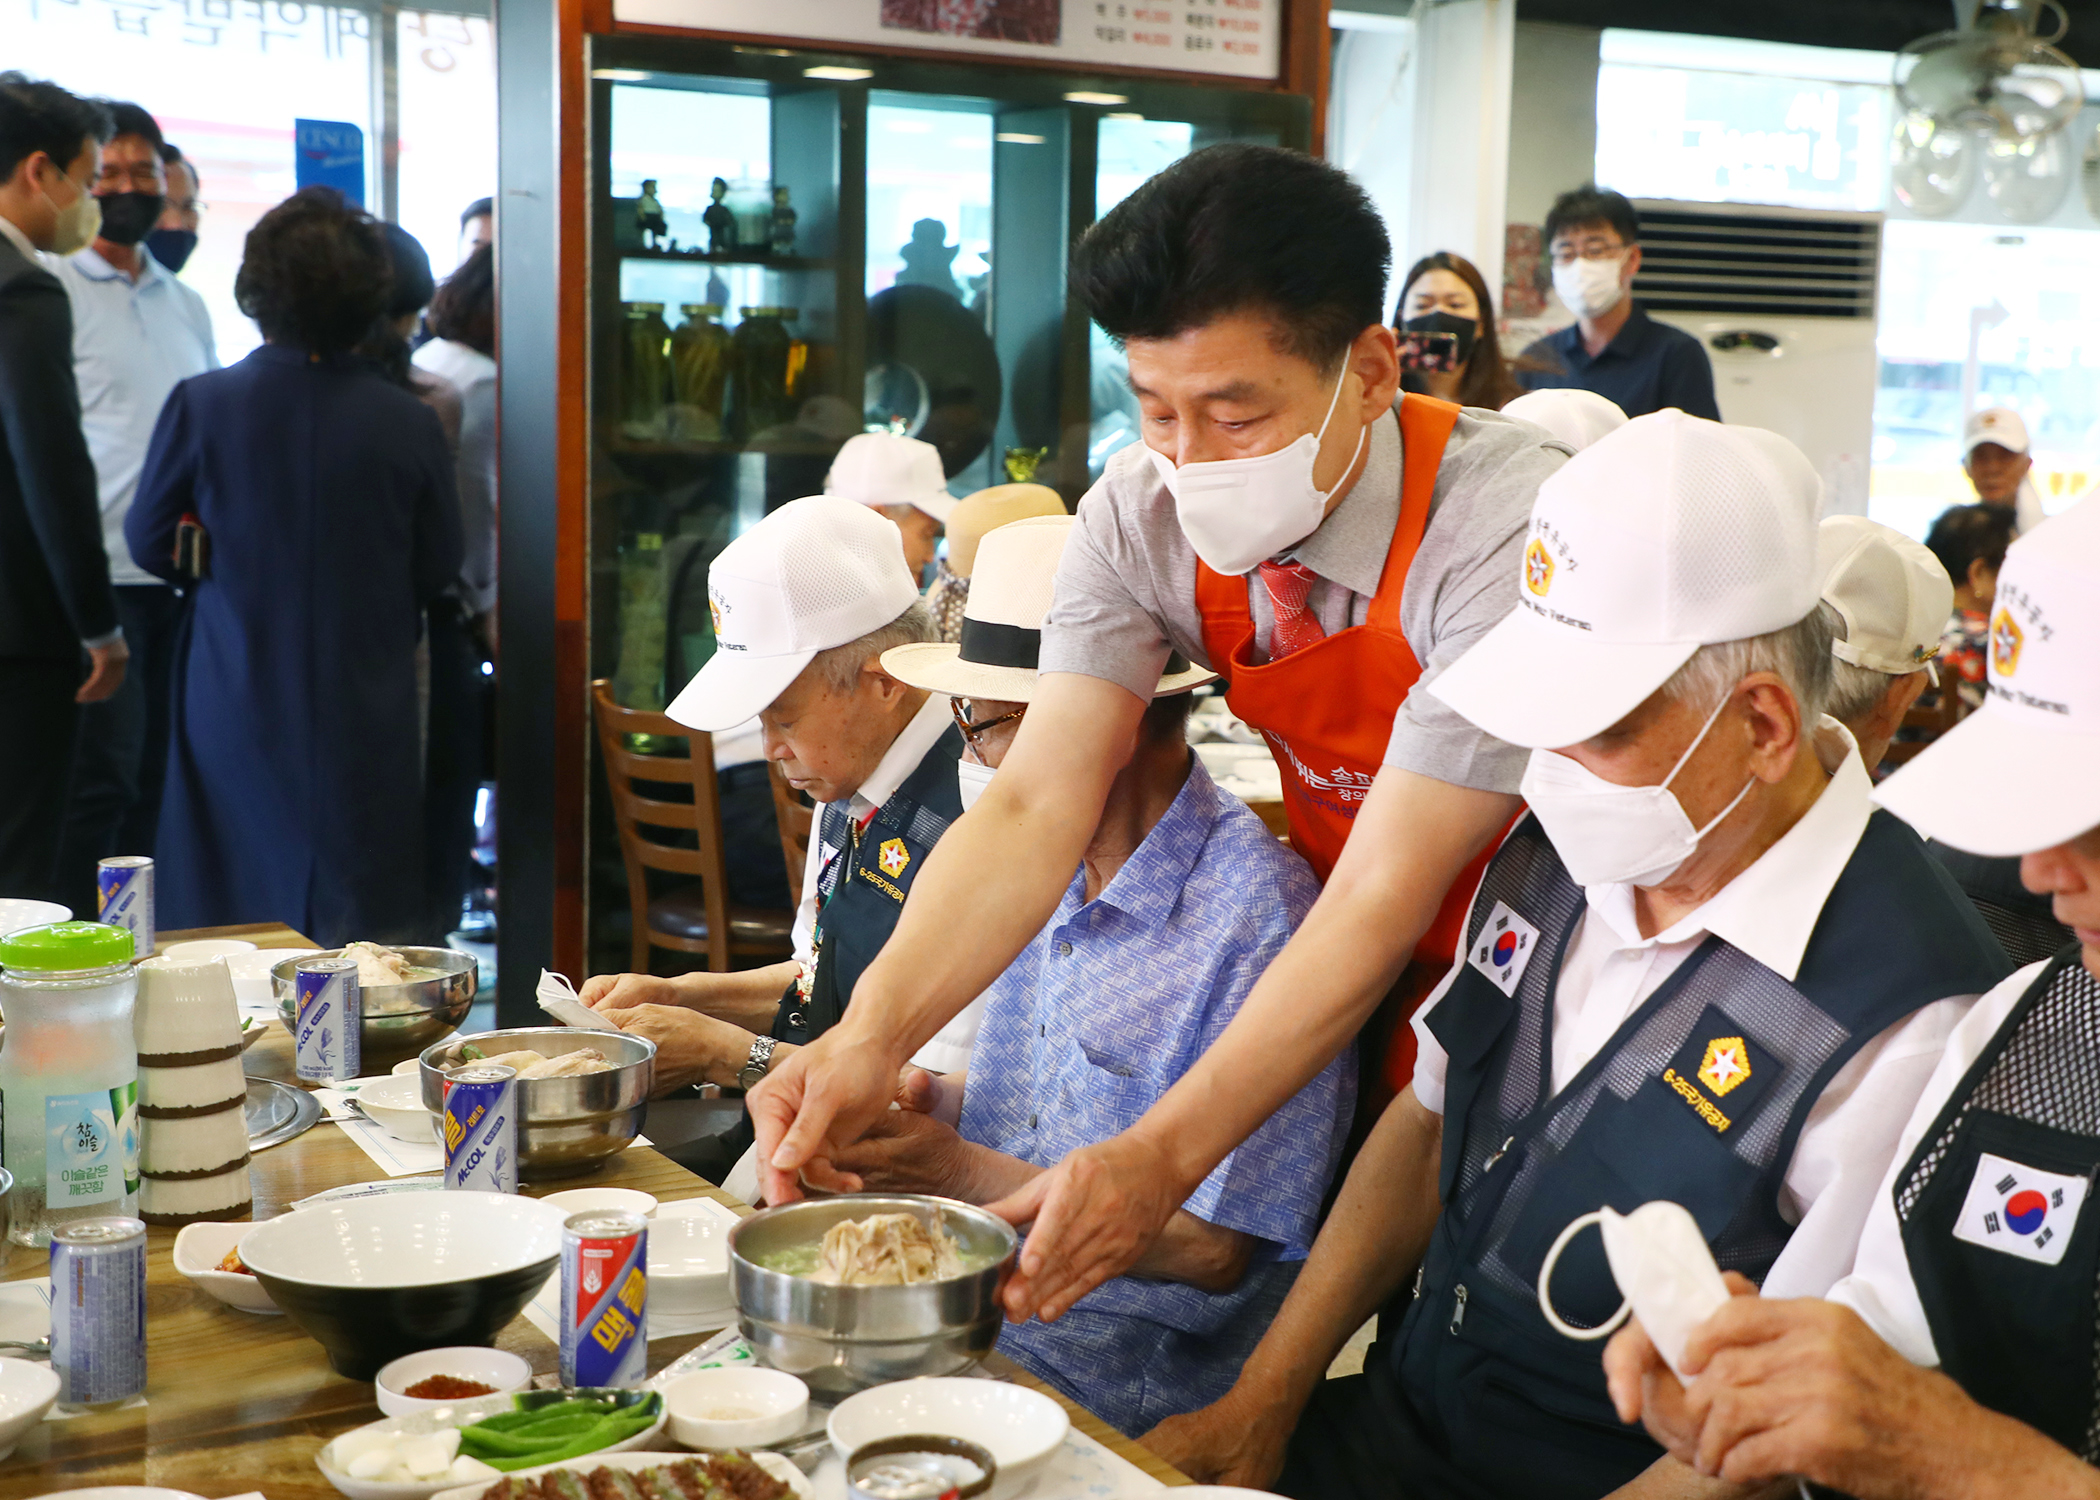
(1296, 627)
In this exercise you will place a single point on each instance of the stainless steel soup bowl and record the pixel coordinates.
(565, 1125)
(400, 1019)
(842, 1339)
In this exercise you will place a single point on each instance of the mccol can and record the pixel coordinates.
(481, 1129)
(604, 1299)
(124, 898)
(328, 1019)
(98, 1311)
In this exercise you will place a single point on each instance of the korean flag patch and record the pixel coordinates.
(2023, 1211)
(1503, 948)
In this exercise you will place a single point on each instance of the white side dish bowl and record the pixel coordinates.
(1020, 1427)
(27, 1390)
(688, 1264)
(505, 1371)
(207, 948)
(737, 1406)
(395, 1105)
(603, 1200)
(18, 912)
(198, 1250)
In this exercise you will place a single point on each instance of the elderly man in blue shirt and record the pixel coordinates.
(137, 334)
(1181, 900)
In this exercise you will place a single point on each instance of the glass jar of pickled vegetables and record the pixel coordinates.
(644, 369)
(700, 357)
(762, 370)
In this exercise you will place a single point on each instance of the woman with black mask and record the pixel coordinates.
(1445, 293)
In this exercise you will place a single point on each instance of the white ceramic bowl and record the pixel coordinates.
(18, 912)
(1022, 1428)
(738, 1406)
(451, 1414)
(688, 1263)
(395, 1105)
(198, 1250)
(207, 948)
(251, 974)
(27, 1390)
(603, 1200)
(410, 1068)
(504, 1371)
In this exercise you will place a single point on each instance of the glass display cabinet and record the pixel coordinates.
(789, 247)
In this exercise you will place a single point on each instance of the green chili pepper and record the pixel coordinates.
(610, 1430)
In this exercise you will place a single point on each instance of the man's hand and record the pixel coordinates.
(690, 1047)
(815, 1104)
(610, 992)
(1646, 1390)
(1239, 1439)
(105, 671)
(1102, 1207)
(908, 1152)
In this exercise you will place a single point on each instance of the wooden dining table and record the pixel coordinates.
(238, 1402)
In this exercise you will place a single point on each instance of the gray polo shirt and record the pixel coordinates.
(1126, 590)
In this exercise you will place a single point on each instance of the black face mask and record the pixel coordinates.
(1467, 329)
(172, 247)
(128, 218)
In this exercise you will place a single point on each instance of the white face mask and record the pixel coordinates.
(1589, 287)
(1238, 511)
(78, 221)
(1617, 835)
(971, 780)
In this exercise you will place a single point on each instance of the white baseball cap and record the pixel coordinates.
(2023, 772)
(816, 573)
(1669, 534)
(1994, 424)
(884, 468)
(1002, 630)
(1892, 593)
(1576, 416)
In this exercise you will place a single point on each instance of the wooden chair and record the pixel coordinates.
(696, 916)
(797, 822)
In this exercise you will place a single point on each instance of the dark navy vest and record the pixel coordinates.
(1698, 1098)
(2005, 1262)
(862, 891)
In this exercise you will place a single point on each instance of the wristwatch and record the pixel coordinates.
(758, 1064)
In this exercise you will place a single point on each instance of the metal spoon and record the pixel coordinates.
(34, 1348)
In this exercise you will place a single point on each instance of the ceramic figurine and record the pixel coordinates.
(649, 215)
(720, 221)
(782, 239)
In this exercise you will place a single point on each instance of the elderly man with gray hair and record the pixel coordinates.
(1891, 598)
(1702, 968)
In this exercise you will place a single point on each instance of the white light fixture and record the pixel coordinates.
(622, 75)
(839, 75)
(1122, 114)
(1018, 138)
(1088, 96)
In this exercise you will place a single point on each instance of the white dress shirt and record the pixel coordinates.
(133, 343)
(1769, 912)
(950, 1047)
(1880, 1288)
(474, 375)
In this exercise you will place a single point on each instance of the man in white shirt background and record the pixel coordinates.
(1701, 969)
(137, 333)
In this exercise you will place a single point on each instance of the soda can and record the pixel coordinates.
(98, 1311)
(604, 1299)
(124, 898)
(328, 1019)
(481, 1129)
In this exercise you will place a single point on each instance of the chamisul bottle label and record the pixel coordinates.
(91, 1151)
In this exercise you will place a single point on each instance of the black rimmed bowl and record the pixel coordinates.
(375, 1278)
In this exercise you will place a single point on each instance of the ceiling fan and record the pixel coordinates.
(1993, 88)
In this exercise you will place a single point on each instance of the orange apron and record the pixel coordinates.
(1327, 710)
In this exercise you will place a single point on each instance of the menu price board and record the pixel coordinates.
(1234, 37)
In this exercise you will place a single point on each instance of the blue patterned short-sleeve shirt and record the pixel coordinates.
(1097, 1018)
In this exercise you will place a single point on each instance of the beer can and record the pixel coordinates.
(481, 1129)
(98, 1311)
(124, 898)
(604, 1299)
(328, 1019)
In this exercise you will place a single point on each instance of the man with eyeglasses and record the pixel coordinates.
(804, 604)
(137, 334)
(1612, 347)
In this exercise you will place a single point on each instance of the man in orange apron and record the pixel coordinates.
(1284, 522)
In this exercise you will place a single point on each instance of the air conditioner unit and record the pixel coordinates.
(1783, 300)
